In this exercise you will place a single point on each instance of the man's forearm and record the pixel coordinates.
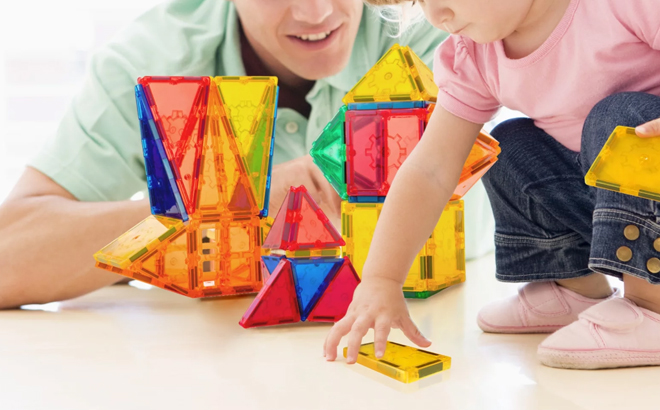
(47, 243)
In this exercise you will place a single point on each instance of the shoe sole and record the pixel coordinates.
(600, 359)
(488, 328)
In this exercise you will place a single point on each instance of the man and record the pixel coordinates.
(73, 198)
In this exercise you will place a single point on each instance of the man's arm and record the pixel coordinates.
(47, 239)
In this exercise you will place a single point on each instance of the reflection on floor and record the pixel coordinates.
(124, 347)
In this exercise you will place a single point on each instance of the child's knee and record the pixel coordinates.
(629, 109)
(508, 132)
(518, 138)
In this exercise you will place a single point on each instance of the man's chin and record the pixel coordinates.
(316, 71)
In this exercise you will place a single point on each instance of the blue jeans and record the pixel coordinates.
(549, 224)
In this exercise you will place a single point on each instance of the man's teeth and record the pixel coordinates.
(314, 37)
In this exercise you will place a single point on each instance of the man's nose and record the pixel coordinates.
(312, 11)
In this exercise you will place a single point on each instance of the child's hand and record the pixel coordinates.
(650, 129)
(378, 303)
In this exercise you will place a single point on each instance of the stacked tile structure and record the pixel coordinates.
(207, 145)
(364, 145)
(308, 280)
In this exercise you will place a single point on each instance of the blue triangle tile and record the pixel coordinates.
(163, 192)
(271, 262)
(264, 211)
(312, 277)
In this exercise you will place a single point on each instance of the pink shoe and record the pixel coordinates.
(539, 307)
(615, 333)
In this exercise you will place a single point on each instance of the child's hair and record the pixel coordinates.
(403, 13)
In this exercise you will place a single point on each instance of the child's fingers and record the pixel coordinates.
(358, 331)
(412, 332)
(650, 129)
(325, 342)
(334, 337)
(381, 331)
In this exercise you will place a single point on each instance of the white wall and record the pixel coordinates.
(44, 48)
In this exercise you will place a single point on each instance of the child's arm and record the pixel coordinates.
(422, 187)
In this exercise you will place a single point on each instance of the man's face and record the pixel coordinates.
(312, 39)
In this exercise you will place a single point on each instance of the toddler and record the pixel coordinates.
(578, 69)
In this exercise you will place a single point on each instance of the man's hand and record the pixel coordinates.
(650, 129)
(303, 171)
(56, 264)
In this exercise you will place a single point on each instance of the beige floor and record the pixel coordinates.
(127, 348)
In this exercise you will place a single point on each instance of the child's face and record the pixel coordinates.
(483, 21)
(275, 28)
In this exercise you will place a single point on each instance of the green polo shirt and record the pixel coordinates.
(96, 153)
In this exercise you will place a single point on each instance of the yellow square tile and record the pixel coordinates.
(628, 164)
(403, 363)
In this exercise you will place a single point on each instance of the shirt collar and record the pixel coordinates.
(230, 61)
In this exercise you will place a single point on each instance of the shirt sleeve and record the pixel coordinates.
(641, 17)
(462, 90)
(96, 153)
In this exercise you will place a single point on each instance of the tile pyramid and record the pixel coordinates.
(398, 76)
(365, 144)
(207, 146)
(301, 224)
(628, 164)
(322, 286)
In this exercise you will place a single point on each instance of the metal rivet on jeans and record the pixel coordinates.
(631, 232)
(653, 265)
(656, 244)
(624, 254)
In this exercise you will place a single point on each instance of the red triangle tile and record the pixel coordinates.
(334, 302)
(301, 224)
(314, 230)
(279, 235)
(179, 108)
(276, 303)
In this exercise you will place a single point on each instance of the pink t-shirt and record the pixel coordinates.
(600, 47)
